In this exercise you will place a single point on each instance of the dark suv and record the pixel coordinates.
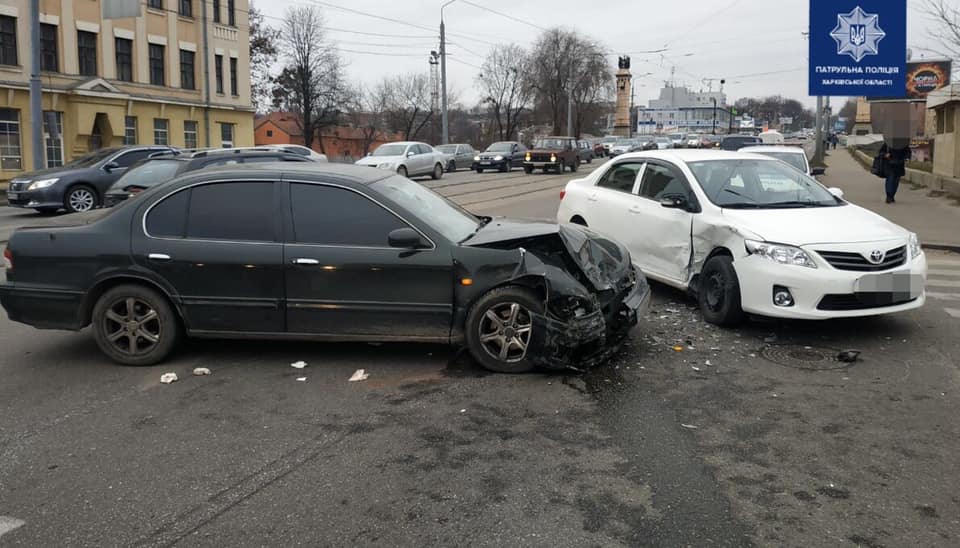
(162, 168)
(79, 185)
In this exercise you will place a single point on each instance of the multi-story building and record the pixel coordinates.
(159, 78)
(680, 109)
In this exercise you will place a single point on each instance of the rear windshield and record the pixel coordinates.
(149, 173)
(794, 159)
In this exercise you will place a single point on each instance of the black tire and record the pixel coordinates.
(504, 167)
(528, 169)
(47, 210)
(402, 171)
(719, 293)
(80, 198)
(499, 302)
(437, 172)
(479, 170)
(452, 168)
(589, 159)
(575, 166)
(124, 335)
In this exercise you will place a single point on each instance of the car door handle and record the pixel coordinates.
(306, 262)
(635, 209)
(158, 257)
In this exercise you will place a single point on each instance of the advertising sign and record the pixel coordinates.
(922, 77)
(858, 47)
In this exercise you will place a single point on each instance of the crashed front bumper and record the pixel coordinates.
(591, 339)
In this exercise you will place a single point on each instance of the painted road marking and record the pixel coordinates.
(955, 312)
(942, 283)
(943, 272)
(943, 262)
(943, 296)
(8, 524)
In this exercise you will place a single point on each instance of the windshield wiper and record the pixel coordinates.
(740, 205)
(794, 203)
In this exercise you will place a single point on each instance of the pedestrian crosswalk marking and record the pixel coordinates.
(8, 524)
(943, 296)
(942, 283)
(943, 278)
(943, 262)
(948, 273)
(955, 312)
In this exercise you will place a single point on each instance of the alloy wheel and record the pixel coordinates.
(505, 331)
(81, 199)
(132, 326)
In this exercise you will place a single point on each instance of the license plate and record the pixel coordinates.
(485, 163)
(12, 195)
(901, 283)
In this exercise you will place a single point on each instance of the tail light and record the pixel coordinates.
(7, 258)
(562, 194)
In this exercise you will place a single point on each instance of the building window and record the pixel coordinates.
(129, 130)
(189, 134)
(233, 76)
(53, 140)
(49, 60)
(161, 131)
(186, 70)
(269, 133)
(8, 40)
(124, 49)
(186, 8)
(10, 157)
(218, 68)
(155, 4)
(231, 13)
(216, 11)
(87, 52)
(156, 64)
(226, 135)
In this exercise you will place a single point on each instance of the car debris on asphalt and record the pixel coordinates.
(200, 371)
(301, 379)
(359, 375)
(299, 364)
(168, 378)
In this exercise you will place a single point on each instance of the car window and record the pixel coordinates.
(232, 211)
(149, 173)
(327, 215)
(447, 218)
(168, 218)
(390, 150)
(127, 159)
(621, 177)
(659, 181)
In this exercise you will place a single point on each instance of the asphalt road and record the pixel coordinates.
(753, 436)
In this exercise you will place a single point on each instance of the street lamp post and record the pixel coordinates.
(443, 76)
(714, 99)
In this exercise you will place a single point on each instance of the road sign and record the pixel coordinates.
(858, 47)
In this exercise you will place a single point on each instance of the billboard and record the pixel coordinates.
(857, 47)
(926, 76)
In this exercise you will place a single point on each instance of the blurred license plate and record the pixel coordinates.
(485, 163)
(903, 283)
(12, 195)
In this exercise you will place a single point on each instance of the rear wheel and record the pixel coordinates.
(720, 292)
(80, 198)
(499, 329)
(575, 165)
(402, 171)
(437, 172)
(452, 167)
(135, 325)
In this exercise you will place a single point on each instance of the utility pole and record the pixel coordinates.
(818, 134)
(36, 108)
(570, 112)
(443, 76)
(714, 99)
(434, 84)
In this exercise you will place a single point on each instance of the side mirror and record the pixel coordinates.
(411, 153)
(838, 192)
(406, 238)
(819, 171)
(675, 201)
(111, 166)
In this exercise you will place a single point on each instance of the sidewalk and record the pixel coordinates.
(935, 220)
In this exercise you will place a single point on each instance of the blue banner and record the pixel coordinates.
(858, 47)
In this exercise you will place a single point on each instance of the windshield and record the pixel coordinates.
(609, 140)
(447, 149)
(92, 158)
(148, 174)
(763, 184)
(795, 159)
(500, 147)
(550, 143)
(676, 136)
(390, 150)
(662, 140)
(454, 223)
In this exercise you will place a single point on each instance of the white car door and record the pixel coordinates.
(608, 202)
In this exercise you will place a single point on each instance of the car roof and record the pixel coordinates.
(683, 155)
(405, 143)
(773, 148)
(314, 170)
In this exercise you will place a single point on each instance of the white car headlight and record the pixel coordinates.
(42, 183)
(476, 158)
(779, 253)
(498, 158)
(915, 249)
(385, 165)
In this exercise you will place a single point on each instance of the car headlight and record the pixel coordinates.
(553, 158)
(783, 254)
(915, 249)
(498, 158)
(527, 157)
(385, 165)
(476, 158)
(42, 183)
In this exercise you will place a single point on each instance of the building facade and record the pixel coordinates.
(337, 142)
(150, 79)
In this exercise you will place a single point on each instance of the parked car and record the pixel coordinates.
(157, 170)
(624, 146)
(457, 155)
(678, 139)
(178, 260)
(552, 153)
(663, 143)
(76, 186)
(749, 234)
(647, 142)
(585, 151)
(692, 141)
(503, 156)
(608, 142)
(407, 159)
(709, 141)
(736, 142)
(302, 151)
(794, 156)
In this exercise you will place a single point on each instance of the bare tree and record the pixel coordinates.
(263, 56)
(506, 88)
(946, 15)
(406, 103)
(312, 84)
(365, 110)
(592, 88)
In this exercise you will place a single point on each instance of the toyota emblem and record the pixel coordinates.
(876, 256)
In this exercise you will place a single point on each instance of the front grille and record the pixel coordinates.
(863, 301)
(842, 260)
(540, 157)
(16, 186)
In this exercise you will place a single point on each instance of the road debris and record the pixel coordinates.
(298, 365)
(848, 356)
(678, 349)
(168, 378)
(463, 410)
(301, 379)
(690, 426)
(359, 375)
(200, 371)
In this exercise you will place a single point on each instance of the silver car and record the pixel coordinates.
(457, 155)
(406, 158)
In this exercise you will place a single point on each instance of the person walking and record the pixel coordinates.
(895, 167)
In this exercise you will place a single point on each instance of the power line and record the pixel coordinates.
(462, 62)
(464, 48)
(493, 11)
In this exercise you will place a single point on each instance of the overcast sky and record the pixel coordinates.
(756, 45)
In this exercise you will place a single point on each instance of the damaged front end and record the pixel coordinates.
(592, 293)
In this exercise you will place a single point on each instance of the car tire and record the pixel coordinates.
(589, 160)
(479, 170)
(575, 165)
(719, 294)
(528, 169)
(127, 317)
(501, 345)
(452, 168)
(504, 167)
(437, 172)
(402, 171)
(80, 198)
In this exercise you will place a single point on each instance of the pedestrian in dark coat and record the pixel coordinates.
(895, 167)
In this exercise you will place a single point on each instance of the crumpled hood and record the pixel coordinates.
(816, 225)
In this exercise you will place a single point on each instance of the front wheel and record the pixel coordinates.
(719, 294)
(80, 198)
(499, 329)
(402, 171)
(452, 167)
(528, 169)
(479, 170)
(437, 172)
(135, 325)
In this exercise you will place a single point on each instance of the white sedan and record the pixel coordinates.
(407, 159)
(749, 234)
